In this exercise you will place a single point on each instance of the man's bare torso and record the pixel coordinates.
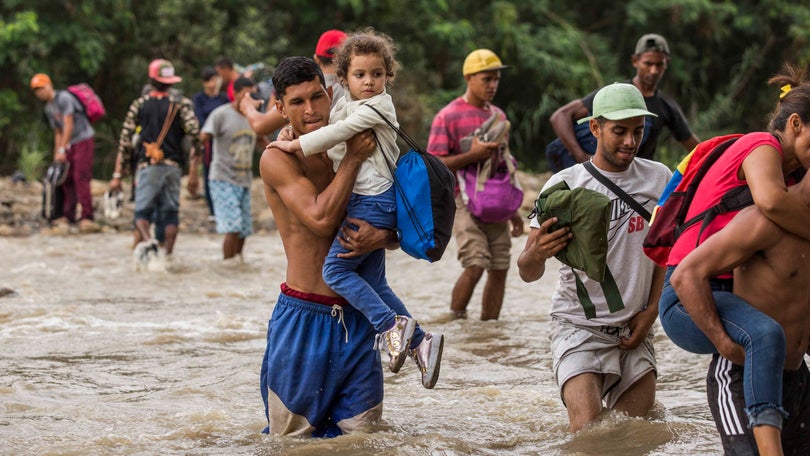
(776, 280)
(304, 249)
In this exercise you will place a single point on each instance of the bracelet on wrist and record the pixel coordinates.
(116, 176)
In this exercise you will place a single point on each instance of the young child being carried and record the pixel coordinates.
(366, 64)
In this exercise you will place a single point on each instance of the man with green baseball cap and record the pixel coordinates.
(618, 107)
(600, 330)
(616, 102)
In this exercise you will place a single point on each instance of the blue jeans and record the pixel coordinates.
(558, 158)
(361, 280)
(761, 336)
(158, 194)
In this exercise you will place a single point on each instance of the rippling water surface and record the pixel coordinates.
(97, 359)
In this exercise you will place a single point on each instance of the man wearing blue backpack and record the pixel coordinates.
(650, 60)
(321, 375)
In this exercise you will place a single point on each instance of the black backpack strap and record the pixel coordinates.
(402, 133)
(733, 200)
(618, 191)
(710, 160)
(391, 166)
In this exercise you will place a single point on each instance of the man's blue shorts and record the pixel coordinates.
(321, 375)
(231, 208)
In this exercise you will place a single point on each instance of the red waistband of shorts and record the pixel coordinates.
(313, 297)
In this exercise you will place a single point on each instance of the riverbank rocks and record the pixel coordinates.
(21, 207)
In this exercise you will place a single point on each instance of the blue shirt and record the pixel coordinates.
(203, 104)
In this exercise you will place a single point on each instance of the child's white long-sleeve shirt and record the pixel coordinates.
(348, 118)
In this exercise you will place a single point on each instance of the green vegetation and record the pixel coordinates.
(723, 52)
(32, 161)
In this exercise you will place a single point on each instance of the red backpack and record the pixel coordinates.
(90, 101)
(669, 216)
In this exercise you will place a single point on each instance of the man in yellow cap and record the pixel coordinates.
(73, 143)
(481, 246)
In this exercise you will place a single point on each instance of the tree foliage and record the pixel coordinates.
(722, 54)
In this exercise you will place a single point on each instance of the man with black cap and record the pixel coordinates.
(601, 341)
(481, 246)
(650, 60)
(164, 120)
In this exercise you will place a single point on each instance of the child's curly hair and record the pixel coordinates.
(364, 42)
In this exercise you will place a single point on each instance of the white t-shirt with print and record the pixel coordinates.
(644, 180)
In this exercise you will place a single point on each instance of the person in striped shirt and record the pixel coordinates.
(481, 246)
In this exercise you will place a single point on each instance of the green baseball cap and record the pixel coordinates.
(618, 101)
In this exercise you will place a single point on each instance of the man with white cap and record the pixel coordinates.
(481, 246)
(164, 120)
(601, 341)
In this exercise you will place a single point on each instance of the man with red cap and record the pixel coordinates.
(73, 142)
(265, 123)
(325, 50)
(164, 120)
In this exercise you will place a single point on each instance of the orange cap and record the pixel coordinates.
(40, 80)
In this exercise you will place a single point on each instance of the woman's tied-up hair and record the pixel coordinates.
(794, 97)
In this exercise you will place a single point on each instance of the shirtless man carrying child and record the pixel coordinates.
(772, 273)
(320, 375)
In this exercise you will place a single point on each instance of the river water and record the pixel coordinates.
(97, 359)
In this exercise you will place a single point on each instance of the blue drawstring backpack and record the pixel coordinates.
(426, 206)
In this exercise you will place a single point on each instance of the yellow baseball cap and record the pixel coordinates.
(482, 60)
